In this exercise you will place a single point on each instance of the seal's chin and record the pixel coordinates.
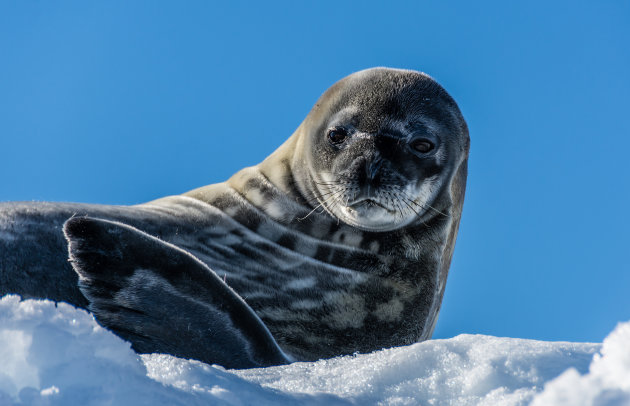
(371, 215)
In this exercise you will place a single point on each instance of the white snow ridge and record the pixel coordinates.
(57, 355)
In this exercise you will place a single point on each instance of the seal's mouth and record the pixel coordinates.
(362, 204)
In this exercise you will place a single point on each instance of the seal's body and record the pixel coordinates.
(339, 242)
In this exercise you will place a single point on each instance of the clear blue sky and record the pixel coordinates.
(122, 102)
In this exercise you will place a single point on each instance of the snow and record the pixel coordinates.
(608, 380)
(55, 354)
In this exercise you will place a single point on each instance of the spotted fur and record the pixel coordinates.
(324, 277)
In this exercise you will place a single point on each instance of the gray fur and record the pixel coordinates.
(322, 286)
(135, 295)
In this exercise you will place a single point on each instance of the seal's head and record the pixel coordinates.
(380, 149)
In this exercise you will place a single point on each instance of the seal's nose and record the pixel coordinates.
(372, 168)
(370, 177)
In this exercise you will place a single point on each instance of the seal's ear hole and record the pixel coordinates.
(337, 135)
(422, 145)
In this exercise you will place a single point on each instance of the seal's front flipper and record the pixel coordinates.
(163, 299)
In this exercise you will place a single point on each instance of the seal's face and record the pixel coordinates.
(385, 148)
(380, 180)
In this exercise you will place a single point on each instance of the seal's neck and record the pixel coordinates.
(285, 171)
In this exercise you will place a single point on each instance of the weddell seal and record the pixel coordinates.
(338, 242)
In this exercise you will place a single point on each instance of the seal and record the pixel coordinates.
(339, 242)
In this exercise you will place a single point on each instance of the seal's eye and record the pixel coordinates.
(422, 145)
(337, 135)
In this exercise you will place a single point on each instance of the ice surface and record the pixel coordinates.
(57, 355)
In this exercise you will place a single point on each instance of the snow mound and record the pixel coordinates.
(606, 384)
(55, 354)
(465, 370)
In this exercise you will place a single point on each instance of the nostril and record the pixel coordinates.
(373, 168)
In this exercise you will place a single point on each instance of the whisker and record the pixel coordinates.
(316, 198)
(400, 207)
(327, 193)
(410, 207)
(423, 206)
(320, 205)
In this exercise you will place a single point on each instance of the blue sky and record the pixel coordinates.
(123, 102)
